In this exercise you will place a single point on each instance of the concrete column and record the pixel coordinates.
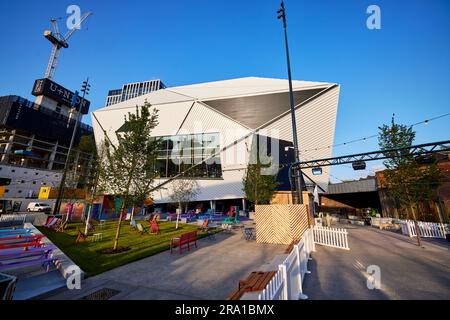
(244, 207)
(212, 204)
(30, 143)
(5, 156)
(52, 157)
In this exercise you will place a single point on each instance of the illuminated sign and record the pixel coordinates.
(47, 88)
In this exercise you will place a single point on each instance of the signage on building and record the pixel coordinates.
(48, 88)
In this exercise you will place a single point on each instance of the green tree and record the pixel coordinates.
(259, 183)
(407, 181)
(129, 165)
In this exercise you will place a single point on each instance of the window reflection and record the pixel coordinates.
(180, 153)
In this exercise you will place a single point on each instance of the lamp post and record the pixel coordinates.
(298, 178)
(85, 89)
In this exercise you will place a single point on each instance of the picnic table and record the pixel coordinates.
(16, 258)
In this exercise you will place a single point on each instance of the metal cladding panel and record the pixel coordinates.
(316, 122)
(228, 188)
(254, 111)
(158, 97)
(203, 119)
(364, 185)
(243, 87)
(171, 117)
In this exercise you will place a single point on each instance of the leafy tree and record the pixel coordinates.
(259, 183)
(183, 191)
(87, 145)
(408, 182)
(128, 167)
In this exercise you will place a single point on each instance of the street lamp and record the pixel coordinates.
(85, 89)
(298, 177)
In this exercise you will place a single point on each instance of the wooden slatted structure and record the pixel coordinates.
(280, 224)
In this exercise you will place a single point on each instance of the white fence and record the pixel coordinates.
(288, 280)
(331, 237)
(426, 229)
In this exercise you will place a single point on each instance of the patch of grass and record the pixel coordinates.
(86, 254)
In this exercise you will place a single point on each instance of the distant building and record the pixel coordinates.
(437, 210)
(34, 140)
(132, 90)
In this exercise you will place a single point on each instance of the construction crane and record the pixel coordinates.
(59, 42)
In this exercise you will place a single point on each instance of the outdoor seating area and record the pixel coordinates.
(140, 238)
(20, 248)
(24, 256)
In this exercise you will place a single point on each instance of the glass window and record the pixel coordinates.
(190, 153)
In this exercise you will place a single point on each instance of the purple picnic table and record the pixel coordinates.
(19, 258)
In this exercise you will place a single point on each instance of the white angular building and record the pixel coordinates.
(215, 124)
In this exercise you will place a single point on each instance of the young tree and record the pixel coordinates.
(407, 181)
(183, 191)
(129, 166)
(259, 184)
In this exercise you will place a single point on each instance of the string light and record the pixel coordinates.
(364, 139)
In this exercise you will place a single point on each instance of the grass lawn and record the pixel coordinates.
(85, 254)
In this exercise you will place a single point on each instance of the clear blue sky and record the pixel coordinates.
(402, 68)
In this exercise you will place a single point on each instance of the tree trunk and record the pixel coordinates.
(132, 214)
(116, 239)
(178, 214)
(86, 230)
(416, 225)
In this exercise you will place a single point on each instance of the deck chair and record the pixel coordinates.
(61, 227)
(80, 236)
(154, 227)
(205, 225)
(54, 224)
(50, 221)
(141, 229)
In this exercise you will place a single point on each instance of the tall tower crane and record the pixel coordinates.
(59, 42)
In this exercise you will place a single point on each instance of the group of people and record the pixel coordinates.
(327, 219)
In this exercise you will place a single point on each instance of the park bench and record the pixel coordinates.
(291, 246)
(25, 245)
(256, 281)
(14, 258)
(14, 231)
(184, 240)
(16, 239)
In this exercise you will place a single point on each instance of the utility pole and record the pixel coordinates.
(85, 89)
(298, 177)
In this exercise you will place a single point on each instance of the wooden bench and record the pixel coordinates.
(14, 258)
(291, 246)
(21, 241)
(184, 240)
(256, 281)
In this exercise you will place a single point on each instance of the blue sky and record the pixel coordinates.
(403, 68)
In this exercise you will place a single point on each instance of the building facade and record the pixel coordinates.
(209, 130)
(132, 90)
(35, 137)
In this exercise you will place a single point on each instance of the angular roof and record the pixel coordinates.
(251, 101)
(243, 87)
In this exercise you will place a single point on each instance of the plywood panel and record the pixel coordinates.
(280, 224)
